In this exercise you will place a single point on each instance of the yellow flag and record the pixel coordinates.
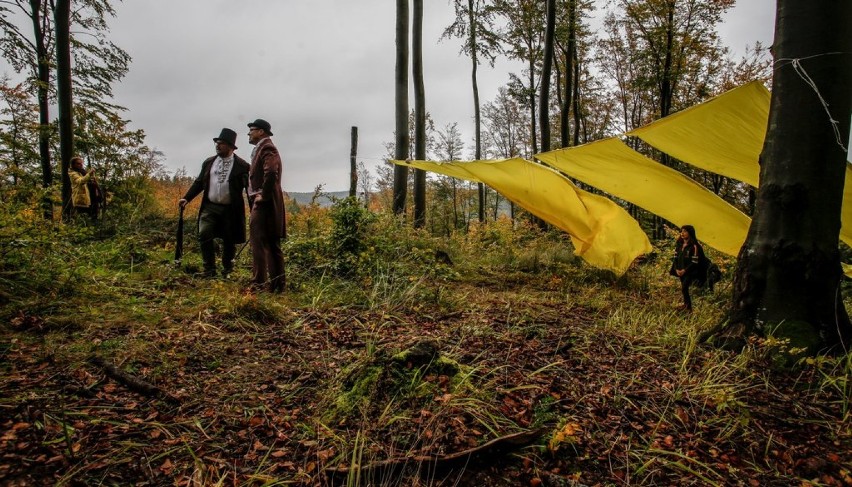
(723, 135)
(603, 234)
(611, 166)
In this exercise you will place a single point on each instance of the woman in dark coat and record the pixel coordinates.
(689, 257)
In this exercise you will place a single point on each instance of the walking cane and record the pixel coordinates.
(249, 200)
(237, 256)
(179, 244)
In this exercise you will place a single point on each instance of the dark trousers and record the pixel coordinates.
(92, 212)
(213, 222)
(267, 257)
(686, 281)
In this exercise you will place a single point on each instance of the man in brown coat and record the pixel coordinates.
(266, 224)
(221, 183)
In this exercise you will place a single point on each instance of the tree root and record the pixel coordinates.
(443, 463)
(131, 382)
(725, 336)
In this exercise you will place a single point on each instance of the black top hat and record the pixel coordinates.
(227, 136)
(262, 124)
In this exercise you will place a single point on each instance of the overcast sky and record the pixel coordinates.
(313, 69)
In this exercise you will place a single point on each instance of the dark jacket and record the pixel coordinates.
(237, 184)
(265, 177)
(691, 258)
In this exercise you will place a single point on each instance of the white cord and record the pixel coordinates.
(800, 70)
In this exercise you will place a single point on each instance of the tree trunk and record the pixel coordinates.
(400, 173)
(546, 71)
(62, 22)
(43, 76)
(788, 276)
(477, 116)
(666, 101)
(570, 52)
(576, 99)
(455, 204)
(666, 91)
(533, 131)
(541, 224)
(419, 116)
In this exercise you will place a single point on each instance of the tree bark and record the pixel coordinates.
(477, 115)
(400, 173)
(788, 275)
(570, 52)
(62, 23)
(546, 71)
(43, 79)
(576, 99)
(533, 130)
(419, 116)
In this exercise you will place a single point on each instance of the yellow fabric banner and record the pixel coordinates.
(723, 135)
(602, 232)
(846, 210)
(611, 166)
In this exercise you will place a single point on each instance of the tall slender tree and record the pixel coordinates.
(674, 38)
(505, 127)
(523, 38)
(449, 147)
(475, 24)
(546, 72)
(569, 40)
(618, 63)
(788, 276)
(401, 145)
(62, 22)
(419, 115)
(32, 50)
(33, 54)
(569, 56)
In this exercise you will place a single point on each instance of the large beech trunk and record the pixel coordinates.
(788, 275)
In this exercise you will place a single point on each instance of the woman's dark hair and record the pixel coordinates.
(691, 231)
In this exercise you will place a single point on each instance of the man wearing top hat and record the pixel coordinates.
(223, 179)
(267, 224)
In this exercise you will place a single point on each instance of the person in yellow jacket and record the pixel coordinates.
(80, 195)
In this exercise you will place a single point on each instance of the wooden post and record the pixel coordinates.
(353, 170)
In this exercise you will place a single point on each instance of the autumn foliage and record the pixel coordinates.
(120, 368)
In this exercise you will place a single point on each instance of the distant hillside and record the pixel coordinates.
(325, 199)
(328, 198)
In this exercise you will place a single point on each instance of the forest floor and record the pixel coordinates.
(156, 377)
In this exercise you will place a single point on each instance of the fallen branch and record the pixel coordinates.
(133, 383)
(432, 464)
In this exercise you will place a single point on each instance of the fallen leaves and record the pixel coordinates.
(252, 406)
